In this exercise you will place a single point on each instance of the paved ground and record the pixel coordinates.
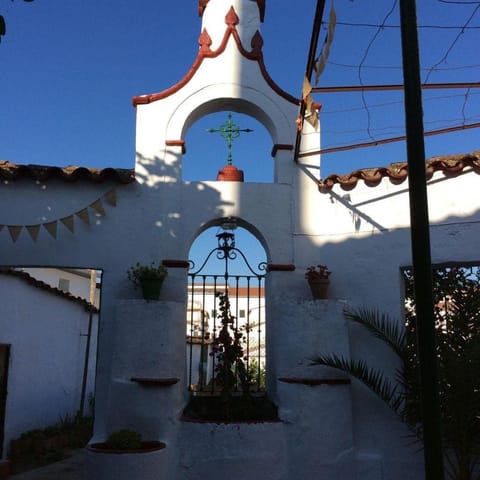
(69, 469)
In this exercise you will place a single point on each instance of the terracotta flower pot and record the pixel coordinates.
(146, 447)
(230, 173)
(319, 288)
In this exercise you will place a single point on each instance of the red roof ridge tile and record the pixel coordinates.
(451, 166)
(12, 171)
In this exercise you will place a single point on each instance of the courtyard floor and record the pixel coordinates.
(70, 468)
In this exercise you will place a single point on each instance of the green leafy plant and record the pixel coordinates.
(256, 375)
(317, 272)
(124, 440)
(138, 273)
(230, 398)
(41, 446)
(231, 372)
(457, 314)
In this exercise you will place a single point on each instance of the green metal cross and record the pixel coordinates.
(229, 131)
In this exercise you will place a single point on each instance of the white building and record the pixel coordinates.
(48, 343)
(356, 224)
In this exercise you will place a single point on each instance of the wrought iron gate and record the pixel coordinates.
(246, 294)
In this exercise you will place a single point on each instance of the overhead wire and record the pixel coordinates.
(362, 61)
(452, 124)
(398, 67)
(420, 27)
(453, 43)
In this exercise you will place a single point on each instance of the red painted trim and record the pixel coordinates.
(277, 267)
(201, 7)
(280, 146)
(155, 382)
(316, 381)
(176, 263)
(205, 51)
(176, 143)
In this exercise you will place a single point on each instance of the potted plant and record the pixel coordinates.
(149, 278)
(126, 441)
(318, 280)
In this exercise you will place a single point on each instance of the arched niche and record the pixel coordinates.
(275, 114)
(207, 152)
(240, 223)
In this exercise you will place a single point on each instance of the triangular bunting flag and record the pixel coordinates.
(312, 119)
(51, 228)
(331, 24)
(111, 198)
(83, 215)
(321, 62)
(307, 88)
(98, 207)
(33, 231)
(320, 67)
(309, 108)
(14, 231)
(68, 222)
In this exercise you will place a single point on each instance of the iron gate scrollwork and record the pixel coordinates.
(246, 295)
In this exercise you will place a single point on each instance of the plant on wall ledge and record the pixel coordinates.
(149, 278)
(318, 278)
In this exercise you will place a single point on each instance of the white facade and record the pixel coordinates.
(326, 430)
(46, 332)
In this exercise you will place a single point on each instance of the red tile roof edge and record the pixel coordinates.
(450, 165)
(45, 286)
(13, 171)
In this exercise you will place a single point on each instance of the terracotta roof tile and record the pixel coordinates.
(45, 286)
(12, 171)
(450, 165)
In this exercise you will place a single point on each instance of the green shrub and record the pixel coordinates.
(124, 440)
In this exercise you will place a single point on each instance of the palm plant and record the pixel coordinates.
(457, 313)
(398, 393)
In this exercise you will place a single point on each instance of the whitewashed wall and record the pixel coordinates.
(46, 357)
(339, 431)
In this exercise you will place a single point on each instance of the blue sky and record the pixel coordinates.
(70, 69)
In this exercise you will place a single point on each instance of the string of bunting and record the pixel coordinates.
(311, 114)
(68, 221)
(321, 60)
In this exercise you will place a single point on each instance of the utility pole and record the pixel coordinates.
(420, 239)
